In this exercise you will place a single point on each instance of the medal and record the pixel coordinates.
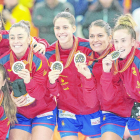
(79, 58)
(115, 55)
(57, 66)
(18, 66)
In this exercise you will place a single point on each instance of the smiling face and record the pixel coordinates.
(19, 41)
(123, 42)
(98, 39)
(64, 32)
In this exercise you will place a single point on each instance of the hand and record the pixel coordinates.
(53, 75)
(25, 75)
(83, 69)
(19, 101)
(39, 47)
(107, 63)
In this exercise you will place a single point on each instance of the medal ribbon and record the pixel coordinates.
(71, 55)
(91, 58)
(126, 65)
(28, 63)
(1, 97)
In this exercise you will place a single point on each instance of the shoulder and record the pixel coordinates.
(5, 57)
(50, 51)
(84, 43)
(39, 60)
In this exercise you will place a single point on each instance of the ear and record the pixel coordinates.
(110, 38)
(133, 42)
(74, 28)
(29, 39)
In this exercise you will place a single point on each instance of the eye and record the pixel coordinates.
(115, 41)
(65, 27)
(100, 35)
(57, 28)
(91, 36)
(11, 38)
(20, 37)
(123, 40)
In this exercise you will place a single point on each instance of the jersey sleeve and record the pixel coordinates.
(111, 86)
(36, 88)
(89, 91)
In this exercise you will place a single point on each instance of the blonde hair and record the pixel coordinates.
(24, 24)
(126, 22)
(9, 106)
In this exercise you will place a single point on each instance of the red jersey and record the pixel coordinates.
(4, 124)
(36, 88)
(131, 76)
(68, 87)
(4, 41)
(110, 90)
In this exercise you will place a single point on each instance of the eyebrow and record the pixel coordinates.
(14, 35)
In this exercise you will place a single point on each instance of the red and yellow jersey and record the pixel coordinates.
(110, 90)
(36, 88)
(69, 86)
(131, 76)
(4, 124)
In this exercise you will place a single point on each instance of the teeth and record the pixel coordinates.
(97, 45)
(122, 50)
(62, 36)
(17, 46)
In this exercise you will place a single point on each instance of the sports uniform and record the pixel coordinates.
(113, 100)
(73, 115)
(42, 111)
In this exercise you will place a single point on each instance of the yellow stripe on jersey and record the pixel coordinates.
(40, 66)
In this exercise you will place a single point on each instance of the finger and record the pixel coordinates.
(23, 103)
(53, 72)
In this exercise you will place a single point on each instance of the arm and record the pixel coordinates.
(36, 86)
(111, 85)
(53, 83)
(89, 91)
(88, 85)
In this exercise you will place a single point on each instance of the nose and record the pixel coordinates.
(95, 38)
(61, 30)
(16, 40)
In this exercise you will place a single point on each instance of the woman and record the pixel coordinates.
(73, 115)
(114, 113)
(7, 106)
(37, 119)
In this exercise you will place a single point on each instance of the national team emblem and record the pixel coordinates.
(134, 71)
(63, 123)
(104, 117)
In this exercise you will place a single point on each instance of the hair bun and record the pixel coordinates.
(67, 10)
(126, 20)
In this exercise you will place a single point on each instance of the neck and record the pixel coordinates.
(67, 45)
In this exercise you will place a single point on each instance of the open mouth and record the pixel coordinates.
(121, 51)
(97, 45)
(62, 36)
(17, 46)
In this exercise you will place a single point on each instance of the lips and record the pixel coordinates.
(62, 36)
(97, 45)
(17, 46)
